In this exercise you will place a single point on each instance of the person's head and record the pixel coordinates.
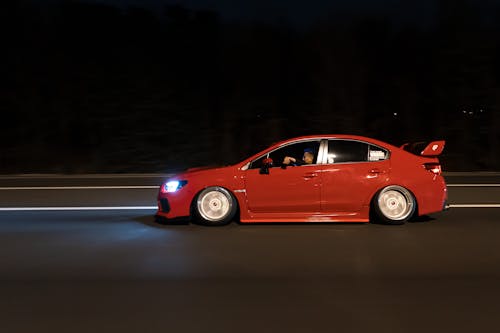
(308, 157)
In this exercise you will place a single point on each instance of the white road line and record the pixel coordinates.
(475, 206)
(79, 188)
(473, 185)
(77, 208)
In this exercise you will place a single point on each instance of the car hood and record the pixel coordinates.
(208, 167)
(203, 171)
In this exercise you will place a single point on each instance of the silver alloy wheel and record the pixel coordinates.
(214, 205)
(395, 203)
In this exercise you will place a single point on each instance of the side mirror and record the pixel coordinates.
(266, 164)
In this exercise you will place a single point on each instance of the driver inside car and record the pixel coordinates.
(307, 158)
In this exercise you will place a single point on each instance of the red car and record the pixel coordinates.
(322, 178)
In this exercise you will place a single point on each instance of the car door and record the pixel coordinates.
(352, 172)
(294, 189)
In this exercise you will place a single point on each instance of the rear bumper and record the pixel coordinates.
(432, 197)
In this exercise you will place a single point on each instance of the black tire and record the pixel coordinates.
(393, 205)
(214, 206)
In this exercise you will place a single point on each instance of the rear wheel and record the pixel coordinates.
(394, 205)
(214, 206)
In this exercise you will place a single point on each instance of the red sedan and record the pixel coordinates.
(323, 178)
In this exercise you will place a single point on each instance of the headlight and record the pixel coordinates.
(173, 186)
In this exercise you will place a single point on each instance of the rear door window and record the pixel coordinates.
(349, 151)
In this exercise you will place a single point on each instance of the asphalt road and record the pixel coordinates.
(141, 190)
(118, 271)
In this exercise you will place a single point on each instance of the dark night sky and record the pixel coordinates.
(306, 11)
(298, 12)
(94, 80)
(303, 13)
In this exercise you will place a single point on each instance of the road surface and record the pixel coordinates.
(115, 270)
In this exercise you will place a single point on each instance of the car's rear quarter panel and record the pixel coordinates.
(429, 189)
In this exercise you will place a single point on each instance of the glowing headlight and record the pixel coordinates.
(173, 185)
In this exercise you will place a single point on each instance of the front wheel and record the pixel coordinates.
(394, 205)
(214, 206)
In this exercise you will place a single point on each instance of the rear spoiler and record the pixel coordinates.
(435, 148)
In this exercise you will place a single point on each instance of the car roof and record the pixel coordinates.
(335, 136)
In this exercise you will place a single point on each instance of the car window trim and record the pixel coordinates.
(323, 151)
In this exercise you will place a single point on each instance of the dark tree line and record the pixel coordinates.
(94, 88)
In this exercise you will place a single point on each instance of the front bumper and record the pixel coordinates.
(173, 206)
(163, 205)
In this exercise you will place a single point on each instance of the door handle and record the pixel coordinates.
(375, 171)
(308, 175)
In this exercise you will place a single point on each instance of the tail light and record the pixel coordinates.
(435, 168)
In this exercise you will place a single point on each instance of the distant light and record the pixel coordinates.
(470, 112)
(395, 114)
(464, 111)
(481, 110)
